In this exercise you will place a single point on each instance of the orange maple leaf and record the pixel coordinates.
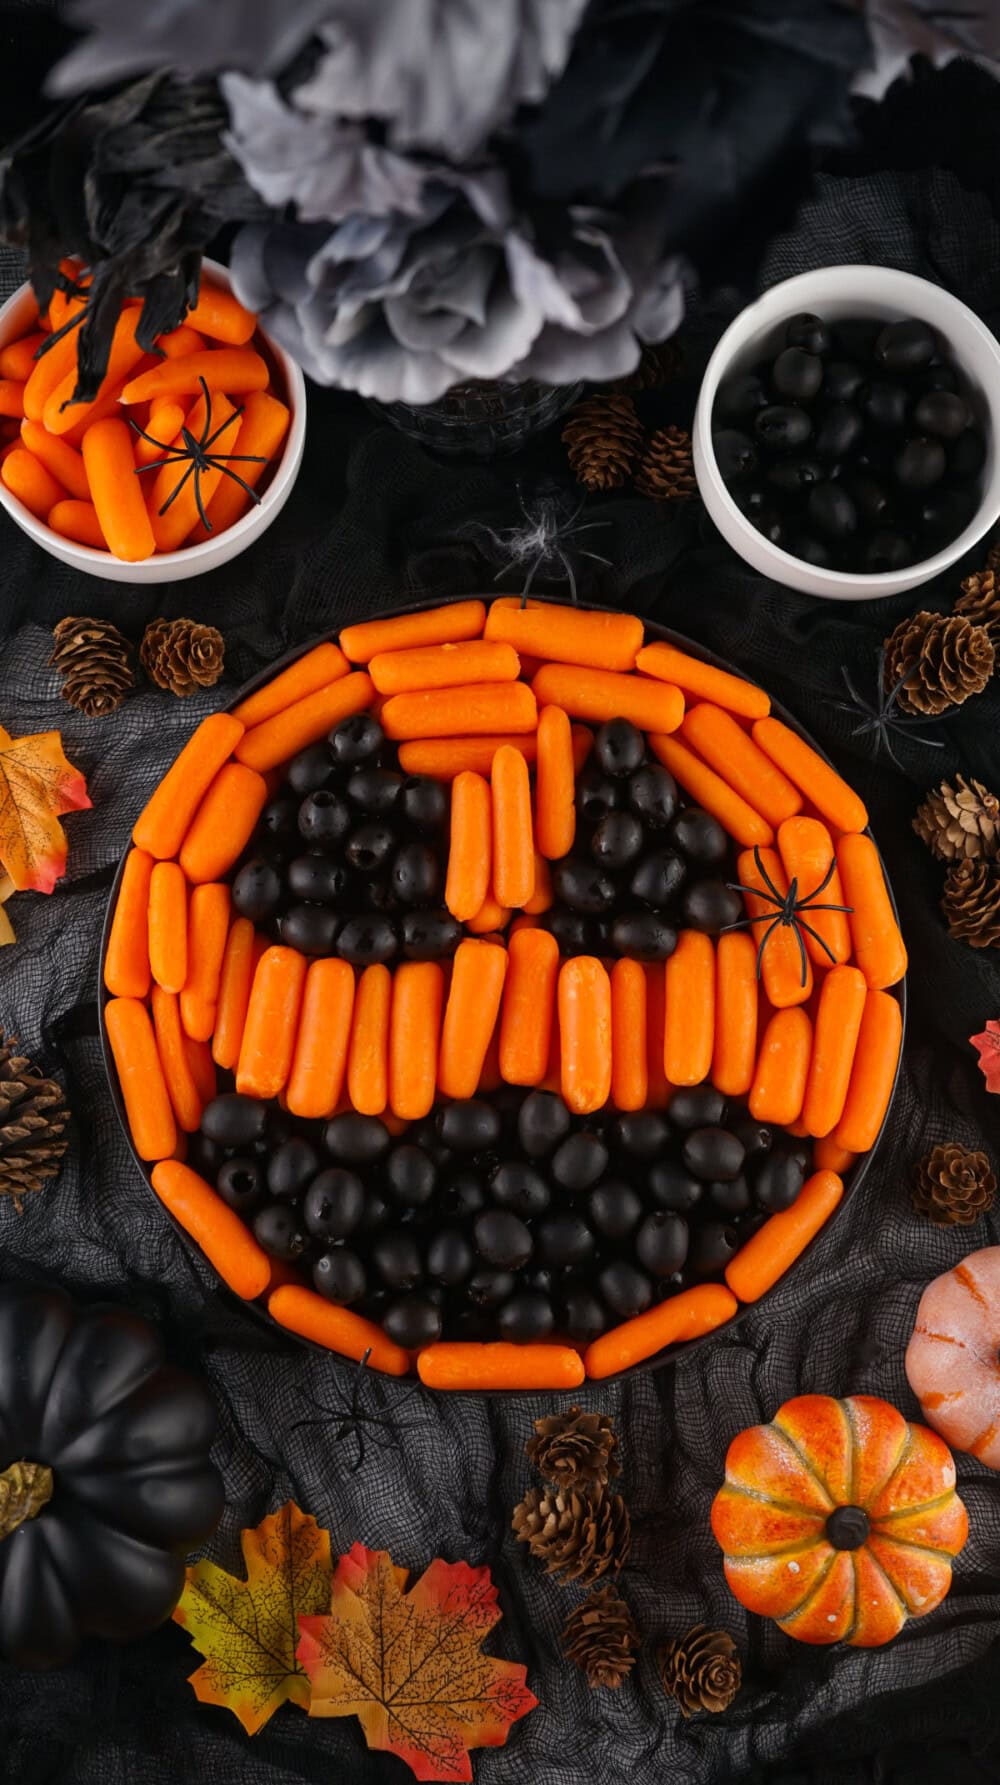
(248, 1629)
(409, 1665)
(37, 785)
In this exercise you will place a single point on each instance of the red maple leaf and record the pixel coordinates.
(987, 1046)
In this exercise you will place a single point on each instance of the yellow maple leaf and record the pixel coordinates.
(248, 1629)
(37, 785)
(410, 1666)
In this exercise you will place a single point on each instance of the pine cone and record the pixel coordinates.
(701, 1670)
(33, 1116)
(971, 903)
(602, 438)
(601, 1637)
(181, 655)
(94, 660)
(980, 598)
(657, 365)
(961, 822)
(574, 1448)
(943, 657)
(667, 469)
(580, 1533)
(953, 1187)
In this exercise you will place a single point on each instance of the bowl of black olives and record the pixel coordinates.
(845, 439)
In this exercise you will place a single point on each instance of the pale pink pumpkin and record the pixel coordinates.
(953, 1358)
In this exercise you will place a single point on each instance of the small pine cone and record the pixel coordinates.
(95, 662)
(701, 1670)
(601, 1637)
(667, 469)
(971, 903)
(602, 438)
(580, 1533)
(657, 365)
(961, 822)
(940, 659)
(980, 598)
(33, 1117)
(181, 655)
(953, 1187)
(574, 1448)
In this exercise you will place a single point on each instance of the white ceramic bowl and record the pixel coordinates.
(831, 292)
(175, 567)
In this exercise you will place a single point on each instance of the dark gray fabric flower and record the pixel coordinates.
(900, 29)
(128, 36)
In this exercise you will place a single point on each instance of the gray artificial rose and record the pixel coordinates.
(126, 37)
(900, 29)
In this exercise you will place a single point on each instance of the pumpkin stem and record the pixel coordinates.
(847, 1527)
(24, 1489)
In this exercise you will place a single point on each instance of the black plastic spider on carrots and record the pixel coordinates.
(788, 911)
(202, 459)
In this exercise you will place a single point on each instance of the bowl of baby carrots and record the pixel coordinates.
(309, 1081)
(185, 456)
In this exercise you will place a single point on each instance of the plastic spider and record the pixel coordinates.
(789, 908)
(544, 542)
(200, 456)
(353, 1417)
(883, 716)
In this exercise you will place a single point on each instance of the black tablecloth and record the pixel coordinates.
(372, 520)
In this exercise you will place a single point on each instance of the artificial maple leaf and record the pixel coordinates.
(6, 927)
(409, 1665)
(987, 1046)
(248, 1629)
(37, 785)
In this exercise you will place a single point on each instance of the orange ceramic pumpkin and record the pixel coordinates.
(953, 1358)
(839, 1519)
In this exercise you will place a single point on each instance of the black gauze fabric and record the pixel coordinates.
(373, 521)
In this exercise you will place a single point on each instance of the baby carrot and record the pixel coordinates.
(584, 1003)
(307, 675)
(873, 1073)
(513, 839)
(446, 625)
(199, 1057)
(163, 822)
(689, 1027)
(659, 1087)
(559, 634)
(302, 1311)
(829, 1155)
(629, 1075)
(177, 1073)
(230, 369)
(64, 462)
(166, 419)
(140, 1075)
(62, 410)
(274, 740)
(491, 1078)
(787, 980)
(320, 1058)
(414, 1038)
(490, 916)
(455, 712)
(29, 480)
(770, 1251)
(543, 897)
(208, 929)
(692, 676)
(51, 368)
(807, 855)
(673, 1322)
(126, 963)
(263, 426)
(477, 980)
(272, 1021)
(11, 398)
(173, 498)
(224, 822)
(835, 1037)
(735, 1014)
(116, 491)
(470, 1368)
(447, 758)
(828, 791)
(221, 316)
(878, 946)
(368, 1050)
(180, 341)
(226, 1242)
(168, 926)
(601, 694)
(17, 359)
(779, 1080)
(470, 847)
(555, 784)
(529, 997)
(443, 666)
(238, 966)
(78, 520)
(721, 742)
(712, 792)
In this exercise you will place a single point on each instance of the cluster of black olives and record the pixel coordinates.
(510, 1219)
(854, 446)
(350, 857)
(642, 866)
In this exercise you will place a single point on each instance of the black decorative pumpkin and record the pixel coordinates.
(105, 1478)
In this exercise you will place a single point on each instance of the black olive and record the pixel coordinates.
(842, 380)
(256, 891)
(366, 940)
(757, 1137)
(486, 1288)
(614, 1209)
(518, 1186)
(370, 847)
(312, 929)
(699, 836)
(712, 1152)
(581, 1317)
(946, 512)
(206, 1156)
(902, 346)
(579, 1161)
(885, 404)
(751, 499)
(596, 793)
(871, 500)
(375, 791)
(468, 1127)
(340, 1275)
(626, 1290)
(240, 1183)
(671, 1187)
(316, 879)
(449, 1256)
(464, 1194)
(642, 1133)
(324, 817)
(565, 1241)
(334, 1203)
(643, 935)
(831, 510)
(731, 1196)
(782, 427)
(416, 875)
(792, 476)
(396, 1257)
(735, 453)
(839, 431)
(887, 550)
(279, 1229)
(943, 413)
(571, 931)
(938, 376)
(355, 739)
(652, 795)
(919, 463)
(616, 840)
(809, 332)
(712, 1246)
(410, 1175)
(797, 374)
(424, 803)
(376, 1212)
(773, 525)
(353, 1139)
(697, 1106)
(778, 1181)
(810, 549)
(310, 770)
(619, 747)
(412, 1321)
(543, 1121)
(661, 1243)
(710, 905)
(740, 397)
(233, 1120)
(502, 1239)
(582, 886)
(658, 878)
(968, 455)
(279, 821)
(291, 1167)
(430, 935)
(527, 1316)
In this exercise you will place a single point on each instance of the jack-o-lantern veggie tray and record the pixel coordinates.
(503, 992)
